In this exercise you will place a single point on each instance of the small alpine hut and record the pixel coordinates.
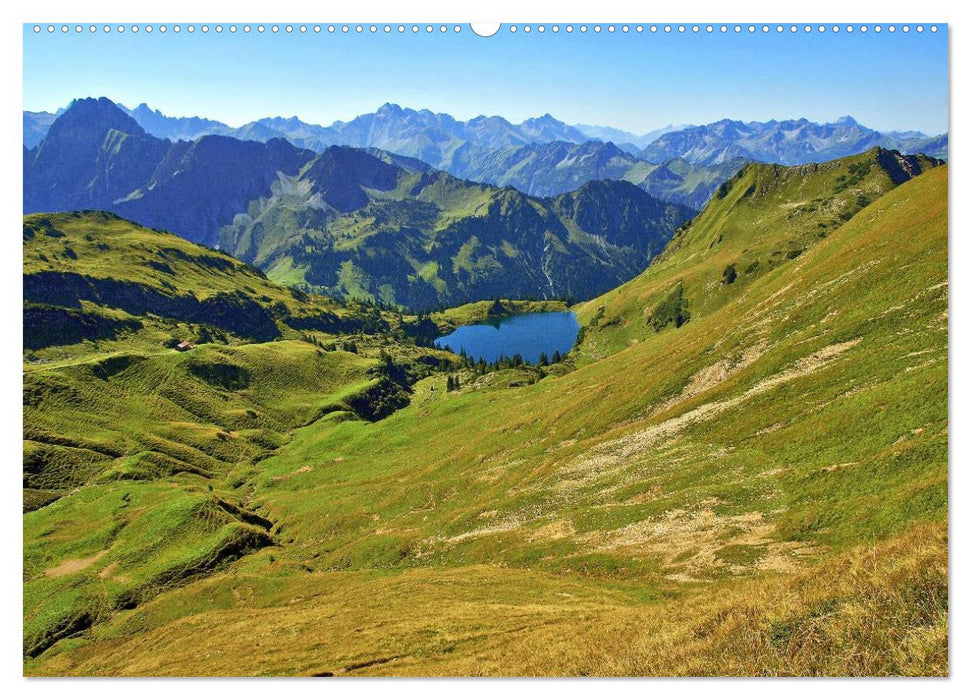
(184, 345)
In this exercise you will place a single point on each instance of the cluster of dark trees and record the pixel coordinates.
(516, 361)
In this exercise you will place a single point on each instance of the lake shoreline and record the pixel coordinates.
(533, 337)
(453, 318)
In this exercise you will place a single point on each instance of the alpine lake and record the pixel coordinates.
(528, 335)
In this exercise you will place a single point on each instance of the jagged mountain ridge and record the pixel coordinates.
(548, 169)
(789, 142)
(97, 157)
(390, 124)
(543, 156)
(352, 225)
(348, 222)
(627, 140)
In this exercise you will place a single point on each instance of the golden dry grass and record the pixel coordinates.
(877, 610)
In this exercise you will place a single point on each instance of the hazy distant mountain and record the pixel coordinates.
(438, 139)
(790, 142)
(347, 221)
(545, 129)
(548, 169)
(36, 125)
(174, 128)
(625, 139)
(296, 131)
(936, 146)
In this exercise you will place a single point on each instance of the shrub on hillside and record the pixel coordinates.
(672, 309)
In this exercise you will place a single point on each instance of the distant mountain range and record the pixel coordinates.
(419, 133)
(544, 156)
(791, 142)
(419, 209)
(350, 222)
(630, 142)
(548, 169)
(443, 141)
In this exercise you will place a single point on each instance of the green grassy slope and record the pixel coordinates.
(130, 446)
(757, 222)
(98, 284)
(129, 449)
(762, 489)
(102, 245)
(742, 413)
(96, 277)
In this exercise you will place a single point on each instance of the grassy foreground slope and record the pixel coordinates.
(760, 489)
(128, 443)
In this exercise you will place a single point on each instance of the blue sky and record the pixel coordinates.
(632, 81)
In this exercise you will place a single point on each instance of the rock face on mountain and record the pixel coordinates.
(200, 186)
(91, 156)
(350, 222)
(547, 169)
(97, 157)
(790, 142)
(36, 125)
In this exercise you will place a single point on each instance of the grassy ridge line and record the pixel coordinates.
(115, 285)
(758, 222)
(104, 246)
